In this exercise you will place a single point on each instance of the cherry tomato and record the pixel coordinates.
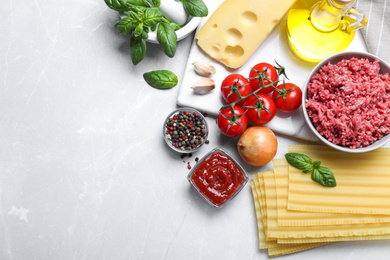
(270, 74)
(261, 109)
(233, 85)
(287, 97)
(232, 125)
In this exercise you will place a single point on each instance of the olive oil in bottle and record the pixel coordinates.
(317, 29)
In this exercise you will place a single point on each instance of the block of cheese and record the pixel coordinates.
(238, 27)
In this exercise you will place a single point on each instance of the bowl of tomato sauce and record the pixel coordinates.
(217, 177)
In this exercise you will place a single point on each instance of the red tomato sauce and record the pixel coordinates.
(218, 178)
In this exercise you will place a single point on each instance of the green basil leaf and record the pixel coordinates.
(138, 49)
(156, 3)
(117, 5)
(167, 37)
(299, 161)
(323, 176)
(161, 79)
(316, 164)
(126, 25)
(138, 30)
(134, 15)
(175, 26)
(152, 17)
(138, 8)
(196, 8)
(307, 169)
(145, 35)
(143, 3)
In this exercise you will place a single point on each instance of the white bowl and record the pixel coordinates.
(183, 32)
(385, 68)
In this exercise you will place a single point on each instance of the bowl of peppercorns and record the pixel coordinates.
(185, 130)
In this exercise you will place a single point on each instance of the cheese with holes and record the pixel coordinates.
(238, 27)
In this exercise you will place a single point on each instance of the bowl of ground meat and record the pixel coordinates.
(347, 101)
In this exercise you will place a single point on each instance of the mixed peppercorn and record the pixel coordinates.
(186, 131)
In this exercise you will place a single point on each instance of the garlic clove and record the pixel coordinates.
(203, 68)
(203, 86)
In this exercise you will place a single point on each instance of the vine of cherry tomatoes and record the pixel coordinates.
(256, 98)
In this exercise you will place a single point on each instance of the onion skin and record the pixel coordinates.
(257, 145)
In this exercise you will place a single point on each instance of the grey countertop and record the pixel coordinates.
(84, 170)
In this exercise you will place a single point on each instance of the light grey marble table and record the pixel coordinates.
(84, 170)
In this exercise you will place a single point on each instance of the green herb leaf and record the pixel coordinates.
(126, 25)
(138, 49)
(137, 8)
(152, 17)
(161, 79)
(138, 30)
(138, 3)
(175, 26)
(323, 176)
(166, 36)
(135, 15)
(156, 3)
(145, 35)
(316, 164)
(196, 8)
(117, 5)
(300, 161)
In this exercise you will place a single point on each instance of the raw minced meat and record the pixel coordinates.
(349, 102)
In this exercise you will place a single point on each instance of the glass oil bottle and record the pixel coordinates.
(317, 29)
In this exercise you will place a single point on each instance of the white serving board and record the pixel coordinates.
(275, 47)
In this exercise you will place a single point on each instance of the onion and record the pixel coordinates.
(257, 145)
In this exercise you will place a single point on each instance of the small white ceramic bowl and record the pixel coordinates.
(182, 33)
(385, 68)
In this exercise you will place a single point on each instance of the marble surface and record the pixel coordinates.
(84, 170)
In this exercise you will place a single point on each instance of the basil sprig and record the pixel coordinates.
(161, 79)
(320, 174)
(140, 18)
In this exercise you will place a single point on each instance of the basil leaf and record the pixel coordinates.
(175, 26)
(138, 30)
(152, 17)
(316, 164)
(138, 8)
(135, 15)
(117, 5)
(138, 49)
(138, 3)
(307, 169)
(145, 35)
(166, 36)
(126, 25)
(323, 176)
(196, 8)
(156, 3)
(299, 161)
(161, 79)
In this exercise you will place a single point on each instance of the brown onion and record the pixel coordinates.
(257, 145)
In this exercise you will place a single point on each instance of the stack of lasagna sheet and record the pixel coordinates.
(294, 213)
